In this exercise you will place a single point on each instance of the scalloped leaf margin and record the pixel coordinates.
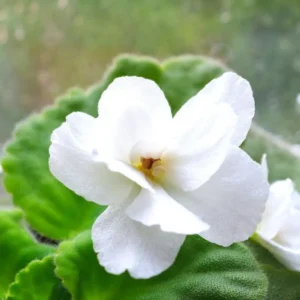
(37, 282)
(17, 248)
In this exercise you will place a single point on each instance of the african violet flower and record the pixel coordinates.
(279, 230)
(162, 178)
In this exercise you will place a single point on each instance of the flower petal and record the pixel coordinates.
(289, 236)
(133, 109)
(123, 244)
(264, 165)
(202, 139)
(131, 173)
(73, 164)
(76, 131)
(160, 209)
(231, 202)
(296, 200)
(288, 257)
(83, 128)
(234, 90)
(277, 208)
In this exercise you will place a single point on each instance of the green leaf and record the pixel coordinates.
(50, 208)
(17, 248)
(38, 282)
(185, 76)
(180, 77)
(201, 271)
(283, 284)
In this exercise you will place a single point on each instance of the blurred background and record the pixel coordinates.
(48, 46)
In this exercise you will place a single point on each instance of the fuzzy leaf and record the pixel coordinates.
(283, 284)
(201, 271)
(50, 208)
(17, 248)
(38, 282)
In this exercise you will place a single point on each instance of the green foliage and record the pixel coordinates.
(283, 284)
(37, 282)
(202, 271)
(17, 248)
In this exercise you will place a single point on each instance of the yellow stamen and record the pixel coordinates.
(148, 162)
(151, 167)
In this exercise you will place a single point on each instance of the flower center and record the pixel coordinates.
(151, 167)
(147, 163)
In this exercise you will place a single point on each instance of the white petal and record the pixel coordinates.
(277, 208)
(289, 234)
(75, 131)
(147, 149)
(132, 90)
(202, 139)
(264, 165)
(76, 168)
(288, 257)
(296, 200)
(232, 201)
(234, 90)
(123, 244)
(133, 109)
(160, 209)
(131, 173)
(130, 126)
(83, 128)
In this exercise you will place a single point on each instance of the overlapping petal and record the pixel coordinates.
(132, 109)
(201, 139)
(83, 129)
(277, 208)
(131, 173)
(288, 235)
(231, 202)
(287, 256)
(124, 244)
(158, 208)
(296, 200)
(280, 226)
(73, 162)
(234, 90)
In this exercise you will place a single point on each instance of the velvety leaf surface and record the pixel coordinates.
(17, 248)
(50, 208)
(38, 282)
(283, 284)
(201, 271)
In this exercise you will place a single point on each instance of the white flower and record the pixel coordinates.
(279, 230)
(162, 177)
